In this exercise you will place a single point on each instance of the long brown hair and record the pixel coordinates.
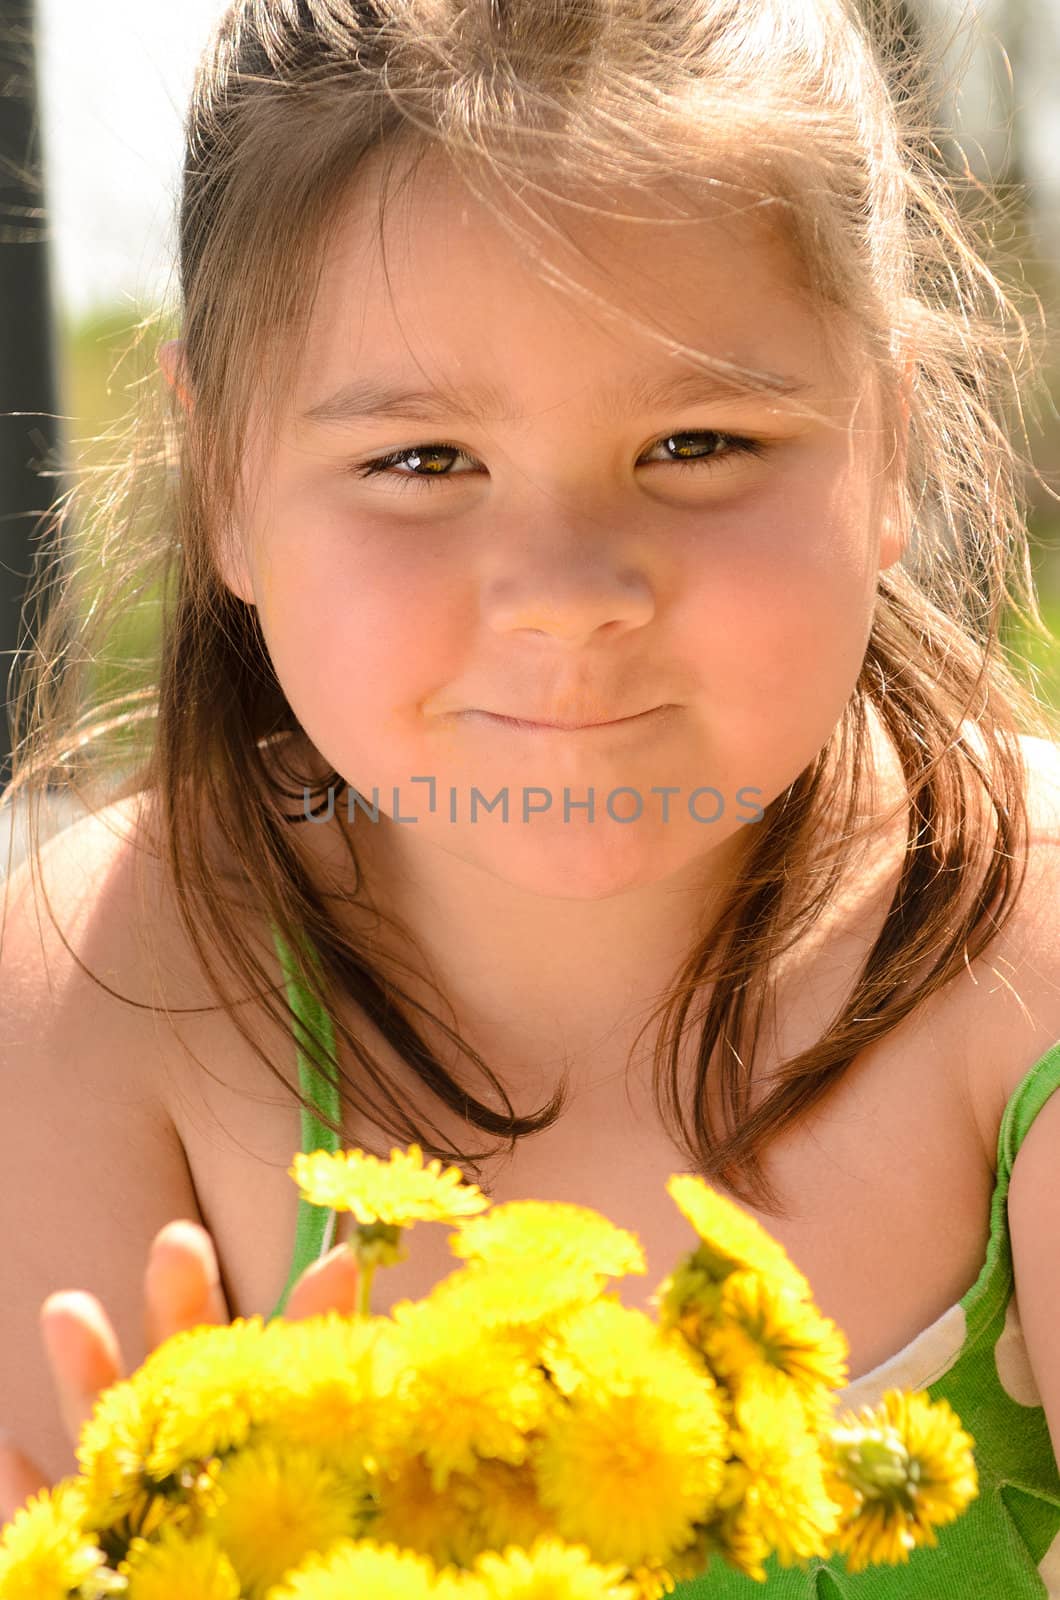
(809, 107)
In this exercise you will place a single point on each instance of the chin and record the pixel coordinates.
(568, 862)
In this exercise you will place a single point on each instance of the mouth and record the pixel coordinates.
(564, 727)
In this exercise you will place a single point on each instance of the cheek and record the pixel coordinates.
(357, 632)
(777, 602)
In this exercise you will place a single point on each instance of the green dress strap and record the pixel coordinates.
(315, 1226)
(1028, 1098)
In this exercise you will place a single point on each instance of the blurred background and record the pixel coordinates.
(111, 85)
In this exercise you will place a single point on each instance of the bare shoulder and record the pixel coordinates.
(92, 915)
(90, 961)
(64, 904)
(92, 943)
(1012, 1002)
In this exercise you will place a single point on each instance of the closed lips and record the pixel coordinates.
(548, 722)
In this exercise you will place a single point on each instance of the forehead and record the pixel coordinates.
(420, 276)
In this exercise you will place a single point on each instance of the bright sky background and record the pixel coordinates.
(115, 80)
(116, 76)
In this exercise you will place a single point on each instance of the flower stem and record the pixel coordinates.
(364, 1307)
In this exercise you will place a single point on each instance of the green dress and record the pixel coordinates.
(1006, 1545)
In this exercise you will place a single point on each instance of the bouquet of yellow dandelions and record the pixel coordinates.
(517, 1434)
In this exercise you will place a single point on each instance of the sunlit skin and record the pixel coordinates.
(563, 565)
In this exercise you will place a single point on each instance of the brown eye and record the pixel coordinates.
(415, 456)
(722, 445)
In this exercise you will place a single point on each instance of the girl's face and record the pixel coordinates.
(572, 528)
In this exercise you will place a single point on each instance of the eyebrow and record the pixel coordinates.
(371, 397)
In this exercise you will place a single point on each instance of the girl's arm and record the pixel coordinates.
(91, 1165)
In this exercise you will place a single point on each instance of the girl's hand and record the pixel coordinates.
(182, 1289)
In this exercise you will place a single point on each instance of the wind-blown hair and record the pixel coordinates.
(814, 113)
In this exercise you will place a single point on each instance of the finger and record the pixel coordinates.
(19, 1478)
(83, 1353)
(330, 1284)
(182, 1284)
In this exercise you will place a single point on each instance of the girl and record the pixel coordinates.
(581, 538)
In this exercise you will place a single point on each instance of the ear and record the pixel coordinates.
(231, 559)
(229, 554)
(171, 361)
(893, 539)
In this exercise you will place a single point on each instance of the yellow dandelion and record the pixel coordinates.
(116, 1442)
(181, 1508)
(44, 1551)
(330, 1388)
(653, 1582)
(607, 1344)
(634, 1459)
(464, 1392)
(761, 1329)
(361, 1567)
(730, 1238)
(617, 1476)
(275, 1507)
(875, 1534)
(780, 1489)
(683, 1566)
(112, 1452)
(213, 1396)
(899, 1469)
(177, 1567)
(500, 1506)
(513, 1295)
(453, 1584)
(494, 1507)
(552, 1570)
(552, 1231)
(731, 1534)
(410, 1513)
(395, 1192)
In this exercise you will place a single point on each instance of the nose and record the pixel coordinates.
(568, 588)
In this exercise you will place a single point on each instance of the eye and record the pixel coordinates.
(731, 444)
(416, 456)
(721, 446)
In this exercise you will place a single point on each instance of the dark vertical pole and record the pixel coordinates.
(29, 438)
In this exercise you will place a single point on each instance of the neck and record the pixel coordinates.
(533, 980)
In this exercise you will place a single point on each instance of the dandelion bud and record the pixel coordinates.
(873, 1461)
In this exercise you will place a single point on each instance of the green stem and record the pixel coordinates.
(364, 1307)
